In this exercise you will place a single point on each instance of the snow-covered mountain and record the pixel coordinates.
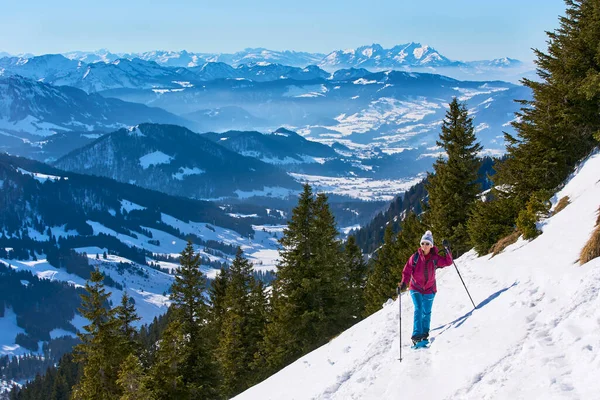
(256, 55)
(281, 147)
(31, 107)
(47, 68)
(177, 161)
(137, 73)
(97, 76)
(259, 72)
(184, 58)
(124, 73)
(409, 57)
(173, 58)
(102, 55)
(375, 57)
(533, 335)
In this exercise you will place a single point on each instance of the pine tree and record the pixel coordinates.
(307, 306)
(356, 281)
(166, 373)
(556, 129)
(331, 288)
(453, 188)
(384, 275)
(216, 295)
(60, 388)
(99, 348)
(187, 293)
(241, 329)
(291, 295)
(126, 317)
(491, 220)
(133, 381)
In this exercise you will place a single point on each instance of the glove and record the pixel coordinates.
(402, 286)
(446, 243)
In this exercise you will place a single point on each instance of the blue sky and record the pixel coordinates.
(458, 29)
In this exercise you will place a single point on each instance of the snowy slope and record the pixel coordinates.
(534, 335)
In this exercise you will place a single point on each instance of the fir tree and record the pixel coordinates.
(60, 388)
(291, 291)
(166, 373)
(187, 293)
(356, 281)
(331, 288)
(555, 129)
(126, 317)
(133, 381)
(384, 275)
(242, 328)
(453, 188)
(216, 294)
(307, 306)
(98, 351)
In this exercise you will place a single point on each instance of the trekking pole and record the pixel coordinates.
(458, 272)
(399, 321)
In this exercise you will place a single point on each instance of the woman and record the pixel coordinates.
(419, 276)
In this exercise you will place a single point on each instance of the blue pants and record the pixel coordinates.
(422, 320)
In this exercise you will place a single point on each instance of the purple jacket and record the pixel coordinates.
(422, 275)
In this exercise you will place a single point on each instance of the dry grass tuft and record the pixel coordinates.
(562, 203)
(591, 249)
(504, 243)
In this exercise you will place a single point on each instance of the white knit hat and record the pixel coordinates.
(427, 237)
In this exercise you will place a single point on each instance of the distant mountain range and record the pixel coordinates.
(371, 56)
(382, 125)
(409, 56)
(29, 106)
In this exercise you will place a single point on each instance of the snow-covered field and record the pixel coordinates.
(534, 335)
(359, 188)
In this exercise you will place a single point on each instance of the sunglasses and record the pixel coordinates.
(425, 244)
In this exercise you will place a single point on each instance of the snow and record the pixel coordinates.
(483, 89)
(130, 206)
(184, 84)
(384, 111)
(31, 125)
(306, 91)
(41, 177)
(363, 81)
(147, 292)
(8, 332)
(237, 215)
(135, 131)
(534, 334)
(155, 158)
(268, 191)
(184, 171)
(359, 188)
